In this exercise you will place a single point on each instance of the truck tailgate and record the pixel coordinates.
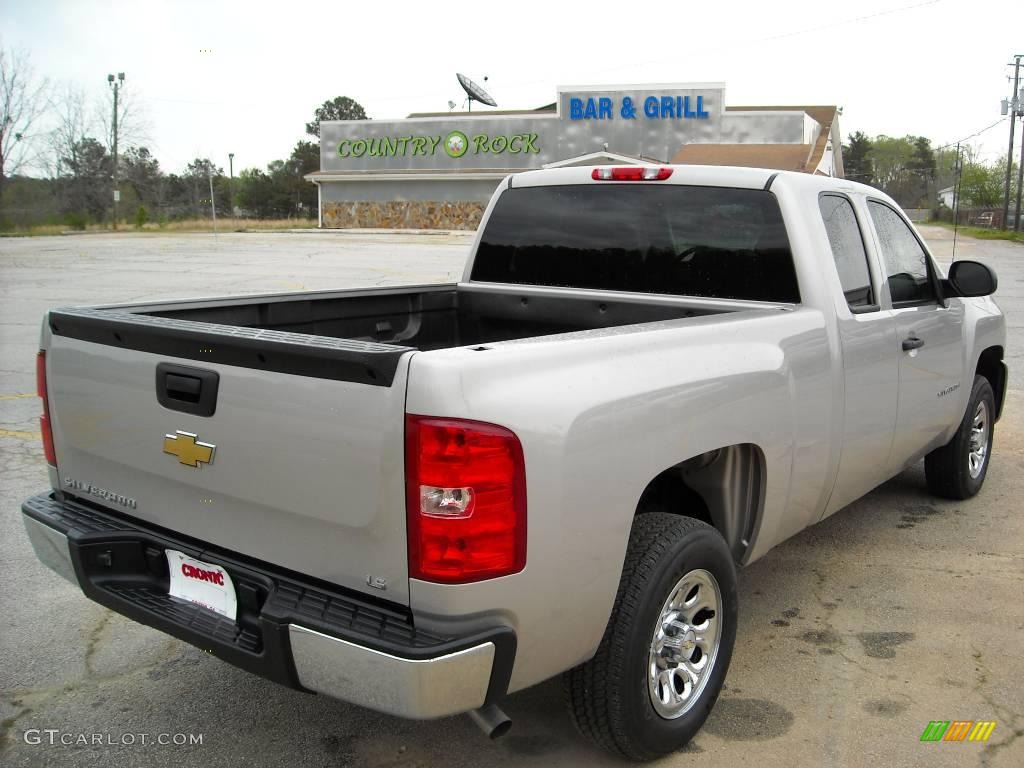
(306, 473)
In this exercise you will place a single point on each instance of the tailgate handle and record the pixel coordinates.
(187, 389)
(183, 387)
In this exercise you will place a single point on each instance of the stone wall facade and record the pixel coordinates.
(397, 214)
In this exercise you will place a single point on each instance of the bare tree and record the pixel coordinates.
(22, 101)
(133, 127)
(72, 125)
(72, 122)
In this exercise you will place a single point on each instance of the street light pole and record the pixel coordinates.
(116, 85)
(1014, 106)
(231, 182)
(213, 203)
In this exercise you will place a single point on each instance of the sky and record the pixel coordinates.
(214, 77)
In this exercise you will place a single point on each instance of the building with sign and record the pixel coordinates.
(438, 171)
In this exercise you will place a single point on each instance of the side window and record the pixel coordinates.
(906, 263)
(847, 250)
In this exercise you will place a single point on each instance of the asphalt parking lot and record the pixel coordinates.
(853, 635)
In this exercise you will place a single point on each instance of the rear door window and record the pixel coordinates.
(647, 238)
(848, 251)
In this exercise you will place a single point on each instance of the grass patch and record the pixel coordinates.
(229, 225)
(981, 233)
(182, 225)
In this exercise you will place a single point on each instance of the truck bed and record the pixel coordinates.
(360, 335)
(293, 391)
(434, 317)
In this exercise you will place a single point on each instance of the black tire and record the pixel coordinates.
(947, 469)
(608, 696)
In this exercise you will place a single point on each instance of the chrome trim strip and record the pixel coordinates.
(51, 548)
(417, 689)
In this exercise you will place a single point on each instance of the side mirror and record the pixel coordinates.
(970, 278)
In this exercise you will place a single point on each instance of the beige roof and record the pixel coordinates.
(782, 157)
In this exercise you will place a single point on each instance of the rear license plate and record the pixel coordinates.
(202, 583)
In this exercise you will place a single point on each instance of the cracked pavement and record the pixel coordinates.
(853, 635)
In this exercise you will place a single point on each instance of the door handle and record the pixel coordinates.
(912, 342)
(187, 389)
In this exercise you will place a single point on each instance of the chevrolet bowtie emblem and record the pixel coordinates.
(188, 449)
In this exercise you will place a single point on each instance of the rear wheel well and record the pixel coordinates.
(990, 365)
(723, 488)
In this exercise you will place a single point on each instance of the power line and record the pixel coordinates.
(973, 135)
(843, 22)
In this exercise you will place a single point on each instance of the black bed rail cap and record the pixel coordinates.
(299, 354)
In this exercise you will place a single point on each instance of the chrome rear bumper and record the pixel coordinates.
(413, 688)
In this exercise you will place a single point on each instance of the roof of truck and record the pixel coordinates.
(712, 175)
(701, 175)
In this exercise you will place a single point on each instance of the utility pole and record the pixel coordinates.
(116, 85)
(1020, 165)
(231, 182)
(958, 169)
(1014, 107)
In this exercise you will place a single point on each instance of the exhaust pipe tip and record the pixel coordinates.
(492, 720)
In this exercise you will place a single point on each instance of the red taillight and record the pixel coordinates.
(44, 419)
(465, 500)
(631, 173)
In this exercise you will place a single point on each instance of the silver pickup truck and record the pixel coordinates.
(421, 499)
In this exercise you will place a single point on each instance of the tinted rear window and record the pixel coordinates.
(647, 238)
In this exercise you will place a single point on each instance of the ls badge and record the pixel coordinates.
(188, 449)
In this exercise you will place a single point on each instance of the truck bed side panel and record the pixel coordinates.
(595, 434)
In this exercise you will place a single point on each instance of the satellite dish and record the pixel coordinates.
(475, 92)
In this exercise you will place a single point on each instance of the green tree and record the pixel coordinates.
(982, 185)
(922, 168)
(88, 169)
(904, 168)
(197, 179)
(305, 159)
(141, 171)
(281, 191)
(340, 108)
(254, 192)
(923, 159)
(856, 159)
(306, 155)
(175, 197)
(890, 157)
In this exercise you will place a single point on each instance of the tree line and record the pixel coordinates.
(66, 142)
(914, 174)
(57, 164)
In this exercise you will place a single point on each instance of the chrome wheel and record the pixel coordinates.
(977, 451)
(685, 644)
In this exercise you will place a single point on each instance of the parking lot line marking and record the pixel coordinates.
(21, 435)
(19, 396)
